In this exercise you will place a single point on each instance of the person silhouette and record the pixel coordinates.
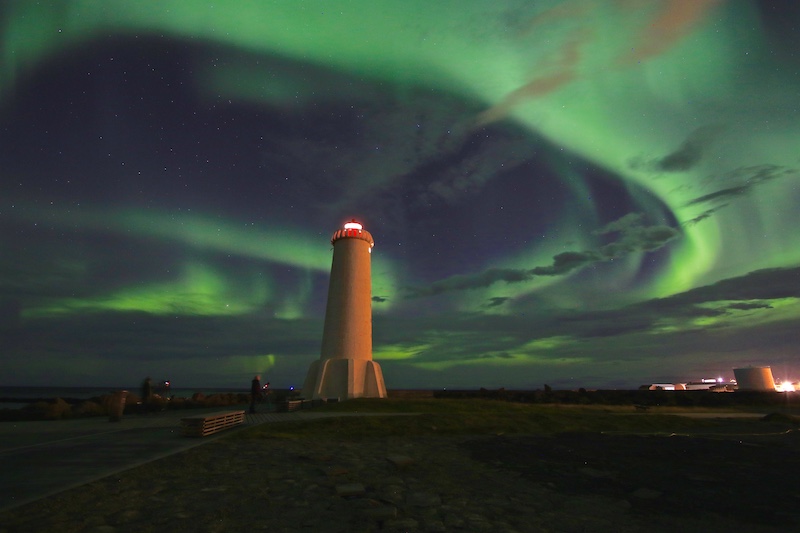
(147, 393)
(255, 392)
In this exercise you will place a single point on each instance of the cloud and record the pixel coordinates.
(730, 192)
(765, 284)
(750, 292)
(533, 89)
(554, 15)
(633, 236)
(749, 178)
(467, 166)
(497, 301)
(674, 21)
(145, 337)
(691, 151)
(470, 281)
(566, 262)
(562, 67)
(470, 335)
(704, 215)
(747, 306)
(615, 329)
(686, 156)
(497, 355)
(379, 299)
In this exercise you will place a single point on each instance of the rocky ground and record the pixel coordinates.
(570, 482)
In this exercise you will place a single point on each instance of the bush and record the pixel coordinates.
(50, 410)
(90, 408)
(221, 399)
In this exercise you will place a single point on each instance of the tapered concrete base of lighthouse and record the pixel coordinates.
(344, 379)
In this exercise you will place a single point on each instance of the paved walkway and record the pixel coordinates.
(43, 458)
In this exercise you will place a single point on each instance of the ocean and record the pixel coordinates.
(17, 397)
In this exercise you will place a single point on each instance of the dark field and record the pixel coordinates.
(748, 480)
(464, 465)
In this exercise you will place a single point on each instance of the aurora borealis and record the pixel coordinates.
(583, 193)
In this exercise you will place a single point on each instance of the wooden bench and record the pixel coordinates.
(289, 405)
(202, 425)
(642, 408)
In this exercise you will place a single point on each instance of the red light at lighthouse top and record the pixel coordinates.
(353, 230)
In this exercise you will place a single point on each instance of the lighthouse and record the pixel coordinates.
(345, 368)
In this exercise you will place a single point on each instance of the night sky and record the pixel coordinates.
(586, 193)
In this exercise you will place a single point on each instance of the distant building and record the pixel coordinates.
(710, 384)
(662, 386)
(703, 384)
(754, 378)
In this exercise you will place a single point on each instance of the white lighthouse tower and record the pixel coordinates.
(345, 368)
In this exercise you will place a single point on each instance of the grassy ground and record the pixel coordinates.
(478, 417)
(269, 475)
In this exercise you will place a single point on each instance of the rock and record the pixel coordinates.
(381, 513)
(335, 471)
(363, 503)
(400, 461)
(496, 501)
(423, 499)
(595, 473)
(454, 521)
(95, 521)
(392, 494)
(126, 517)
(646, 494)
(220, 488)
(315, 457)
(350, 489)
(480, 525)
(436, 526)
(311, 489)
(403, 524)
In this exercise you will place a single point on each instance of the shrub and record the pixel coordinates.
(228, 398)
(50, 410)
(89, 408)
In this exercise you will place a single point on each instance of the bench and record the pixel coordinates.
(202, 425)
(640, 407)
(289, 405)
